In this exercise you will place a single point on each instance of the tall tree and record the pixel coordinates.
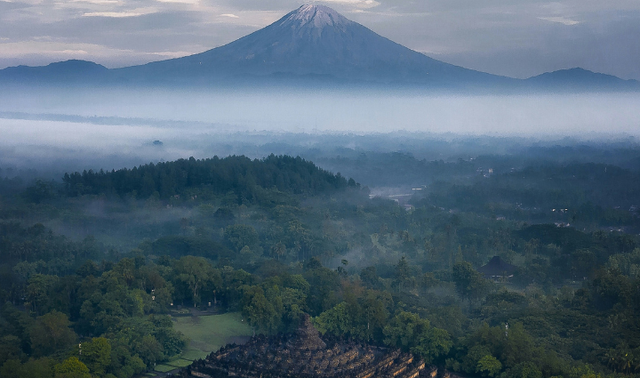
(260, 312)
(51, 333)
(413, 334)
(469, 282)
(196, 273)
(96, 354)
(71, 368)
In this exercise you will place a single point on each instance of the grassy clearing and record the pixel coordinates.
(209, 333)
(179, 363)
(191, 353)
(164, 368)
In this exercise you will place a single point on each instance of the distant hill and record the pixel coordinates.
(581, 79)
(234, 174)
(59, 72)
(312, 45)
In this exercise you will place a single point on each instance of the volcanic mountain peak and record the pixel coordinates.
(310, 45)
(317, 16)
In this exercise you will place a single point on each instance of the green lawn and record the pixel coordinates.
(209, 333)
(179, 363)
(164, 368)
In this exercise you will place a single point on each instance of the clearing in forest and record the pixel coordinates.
(207, 334)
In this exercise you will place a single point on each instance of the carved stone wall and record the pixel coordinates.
(305, 354)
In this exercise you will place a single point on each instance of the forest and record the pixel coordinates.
(94, 265)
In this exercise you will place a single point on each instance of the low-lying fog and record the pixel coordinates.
(76, 129)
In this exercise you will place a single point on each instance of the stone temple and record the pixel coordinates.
(305, 354)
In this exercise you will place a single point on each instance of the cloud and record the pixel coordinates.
(560, 20)
(97, 1)
(192, 2)
(39, 53)
(74, 52)
(131, 13)
(355, 3)
(7, 5)
(230, 15)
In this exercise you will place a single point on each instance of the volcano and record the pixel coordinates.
(311, 42)
(312, 45)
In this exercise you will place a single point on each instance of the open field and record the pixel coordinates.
(207, 334)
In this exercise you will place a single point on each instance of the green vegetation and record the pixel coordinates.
(164, 368)
(209, 332)
(268, 240)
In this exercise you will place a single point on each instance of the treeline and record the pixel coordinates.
(107, 319)
(555, 254)
(192, 177)
(26, 251)
(519, 186)
(363, 268)
(396, 168)
(586, 194)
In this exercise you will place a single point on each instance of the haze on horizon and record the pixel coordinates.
(109, 127)
(63, 129)
(497, 36)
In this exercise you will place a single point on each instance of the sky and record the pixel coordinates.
(517, 38)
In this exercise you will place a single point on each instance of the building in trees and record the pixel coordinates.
(497, 269)
(306, 354)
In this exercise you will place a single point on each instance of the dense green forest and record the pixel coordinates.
(93, 267)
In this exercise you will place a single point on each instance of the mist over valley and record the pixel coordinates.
(313, 199)
(106, 129)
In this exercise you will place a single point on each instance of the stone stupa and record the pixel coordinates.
(306, 354)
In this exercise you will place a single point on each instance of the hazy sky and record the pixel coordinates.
(518, 38)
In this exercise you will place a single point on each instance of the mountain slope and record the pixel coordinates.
(313, 44)
(312, 41)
